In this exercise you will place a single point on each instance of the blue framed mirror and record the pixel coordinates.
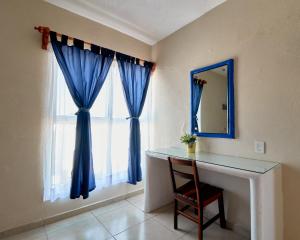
(212, 100)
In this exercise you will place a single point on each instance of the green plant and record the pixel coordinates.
(188, 138)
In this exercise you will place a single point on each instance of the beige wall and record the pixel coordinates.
(23, 75)
(264, 39)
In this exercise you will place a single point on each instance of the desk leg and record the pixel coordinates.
(158, 188)
(255, 208)
(266, 206)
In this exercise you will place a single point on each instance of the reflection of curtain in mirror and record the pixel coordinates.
(197, 91)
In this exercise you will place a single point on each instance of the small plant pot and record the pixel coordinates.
(190, 148)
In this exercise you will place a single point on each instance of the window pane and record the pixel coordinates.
(65, 104)
(100, 136)
(119, 103)
(63, 153)
(119, 145)
(99, 108)
(144, 126)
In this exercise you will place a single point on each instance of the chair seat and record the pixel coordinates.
(208, 193)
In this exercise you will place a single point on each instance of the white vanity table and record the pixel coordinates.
(264, 179)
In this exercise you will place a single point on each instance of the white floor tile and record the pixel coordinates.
(125, 220)
(165, 216)
(213, 232)
(81, 227)
(69, 222)
(110, 207)
(36, 234)
(136, 198)
(137, 201)
(122, 218)
(148, 230)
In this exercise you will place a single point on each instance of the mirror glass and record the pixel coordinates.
(212, 100)
(212, 113)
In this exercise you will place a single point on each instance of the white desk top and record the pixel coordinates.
(246, 164)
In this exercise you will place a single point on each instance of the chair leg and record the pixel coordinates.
(175, 214)
(200, 232)
(222, 212)
(200, 223)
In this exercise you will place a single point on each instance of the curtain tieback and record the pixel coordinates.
(132, 118)
(82, 109)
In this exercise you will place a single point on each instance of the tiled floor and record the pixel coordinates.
(124, 220)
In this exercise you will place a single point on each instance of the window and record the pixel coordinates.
(109, 127)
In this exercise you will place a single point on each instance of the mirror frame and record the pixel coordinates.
(230, 100)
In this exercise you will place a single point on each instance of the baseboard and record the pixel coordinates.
(64, 215)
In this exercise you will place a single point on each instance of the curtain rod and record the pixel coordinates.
(200, 81)
(45, 31)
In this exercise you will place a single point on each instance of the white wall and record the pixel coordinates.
(264, 39)
(23, 76)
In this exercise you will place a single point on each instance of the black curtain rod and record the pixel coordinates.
(95, 48)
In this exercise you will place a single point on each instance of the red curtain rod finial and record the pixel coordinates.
(45, 35)
(153, 68)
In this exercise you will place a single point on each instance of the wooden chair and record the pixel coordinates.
(194, 194)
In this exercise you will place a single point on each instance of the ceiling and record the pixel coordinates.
(146, 20)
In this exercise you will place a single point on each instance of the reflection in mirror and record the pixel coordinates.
(212, 100)
(212, 112)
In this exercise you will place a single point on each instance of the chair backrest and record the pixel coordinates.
(193, 176)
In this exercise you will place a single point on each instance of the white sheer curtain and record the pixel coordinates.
(110, 133)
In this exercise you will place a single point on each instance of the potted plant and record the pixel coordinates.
(190, 141)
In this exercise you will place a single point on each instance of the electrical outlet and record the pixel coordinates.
(259, 147)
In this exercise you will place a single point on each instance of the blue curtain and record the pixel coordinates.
(135, 81)
(84, 72)
(197, 91)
